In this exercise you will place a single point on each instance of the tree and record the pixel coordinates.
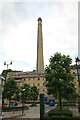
(11, 90)
(26, 92)
(16, 94)
(34, 94)
(4, 72)
(59, 80)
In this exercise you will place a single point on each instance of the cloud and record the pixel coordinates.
(39, 1)
(13, 13)
(20, 41)
(61, 33)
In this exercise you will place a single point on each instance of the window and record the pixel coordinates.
(38, 84)
(43, 89)
(38, 78)
(18, 83)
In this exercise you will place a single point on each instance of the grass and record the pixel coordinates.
(57, 113)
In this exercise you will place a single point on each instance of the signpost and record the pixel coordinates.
(41, 106)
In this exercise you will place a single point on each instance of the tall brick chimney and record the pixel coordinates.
(40, 61)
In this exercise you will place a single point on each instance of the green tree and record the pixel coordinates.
(34, 94)
(16, 94)
(11, 90)
(4, 72)
(27, 92)
(59, 80)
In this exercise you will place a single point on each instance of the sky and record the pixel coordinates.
(18, 31)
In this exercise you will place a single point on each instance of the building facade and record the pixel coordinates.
(77, 83)
(32, 78)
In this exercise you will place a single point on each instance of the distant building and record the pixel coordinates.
(77, 83)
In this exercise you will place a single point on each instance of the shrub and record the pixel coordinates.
(58, 118)
(68, 103)
(33, 105)
(31, 102)
(56, 112)
(9, 109)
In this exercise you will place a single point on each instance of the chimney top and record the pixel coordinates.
(39, 19)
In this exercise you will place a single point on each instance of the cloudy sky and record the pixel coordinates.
(18, 31)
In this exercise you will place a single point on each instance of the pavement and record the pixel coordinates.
(12, 114)
(34, 112)
(74, 110)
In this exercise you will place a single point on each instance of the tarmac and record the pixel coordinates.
(33, 112)
(12, 114)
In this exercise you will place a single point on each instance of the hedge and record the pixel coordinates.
(68, 104)
(73, 118)
(56, 112)
(64, 103)
(58, 118)
(30, 102)
(9, 109)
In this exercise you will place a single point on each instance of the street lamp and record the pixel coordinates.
(77, 67)
(7, 67)
(8, 64)
(23, 100)
(1, 84)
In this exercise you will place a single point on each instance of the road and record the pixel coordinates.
(34, 112)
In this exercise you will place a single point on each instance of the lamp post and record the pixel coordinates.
(8, 64)
(23, 100)
(1, 84)
(77, 67)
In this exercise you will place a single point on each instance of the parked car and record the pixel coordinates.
(13, 103)
(2, 105)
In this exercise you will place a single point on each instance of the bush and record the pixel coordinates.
(31, 102)
(56, 112)
(68, 104)
(9, 109)
(58, 118)
(33, 105)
